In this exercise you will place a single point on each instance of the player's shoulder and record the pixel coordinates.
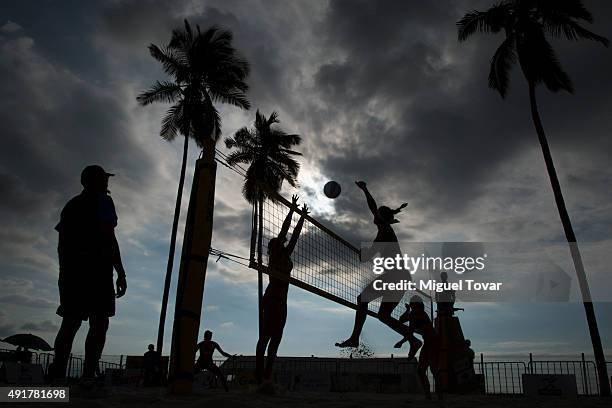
(74, 204)
(106, 198)
(106, 202)
(75, 200)
(106, 209)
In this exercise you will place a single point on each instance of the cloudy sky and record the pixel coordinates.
(380, 91)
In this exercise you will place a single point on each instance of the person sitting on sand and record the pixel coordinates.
(421, 324)
(205, 361)
(384, 217)
(275, 296)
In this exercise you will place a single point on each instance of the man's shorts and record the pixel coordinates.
(87, 296)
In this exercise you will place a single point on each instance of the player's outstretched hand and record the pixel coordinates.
(305, 209)
(361, 184)
(121, 286)
(294, 200)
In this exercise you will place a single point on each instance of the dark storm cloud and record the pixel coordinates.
(429, 146)
(16, 195)
(421, 119)
(53, 125)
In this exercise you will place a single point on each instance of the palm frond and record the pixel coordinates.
(540, 63)
(242, 139)
(260, 121)
(554, 77)
(172, 65)
(273, 119)
(160, 92)
(490, 21)
(172, 122)
(239, 157)
(570, 8)
(571, 30)
(291, 152)
(501, 63)
(236, 98)
(182, 39)
(286, 141)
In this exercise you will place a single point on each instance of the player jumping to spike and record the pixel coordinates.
(384, 217)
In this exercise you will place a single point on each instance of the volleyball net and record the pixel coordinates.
(324, 263)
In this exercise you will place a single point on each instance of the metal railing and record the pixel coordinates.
(501, 377)
(585, 371)
(498, 377)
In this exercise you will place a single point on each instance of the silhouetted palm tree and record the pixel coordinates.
(205, 68)
(271, 161)
(526, 24)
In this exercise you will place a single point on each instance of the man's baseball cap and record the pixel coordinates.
(92, 173)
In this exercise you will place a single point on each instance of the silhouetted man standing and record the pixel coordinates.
(88, 252)
(151, 366)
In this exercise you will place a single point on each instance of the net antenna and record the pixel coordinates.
(324, 263)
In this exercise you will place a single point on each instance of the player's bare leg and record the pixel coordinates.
(360, 318)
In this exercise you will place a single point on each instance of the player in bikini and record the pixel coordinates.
(387, 244)
(275, 296)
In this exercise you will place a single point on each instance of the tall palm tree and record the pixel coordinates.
(268, 152)
(526, 25)
(204, 68)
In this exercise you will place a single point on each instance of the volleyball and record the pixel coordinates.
(332, 189)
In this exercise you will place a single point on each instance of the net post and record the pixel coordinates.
(260, 201)
(253, 233)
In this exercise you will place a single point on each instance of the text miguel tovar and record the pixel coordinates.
(411, 264)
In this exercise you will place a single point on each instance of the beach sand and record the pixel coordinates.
(146, 397)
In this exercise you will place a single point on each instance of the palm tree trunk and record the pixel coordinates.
(259, 264)
(573, 245)
(169, 266)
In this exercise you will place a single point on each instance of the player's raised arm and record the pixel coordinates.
(371, 203)
(287, 223)
(297, 230)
